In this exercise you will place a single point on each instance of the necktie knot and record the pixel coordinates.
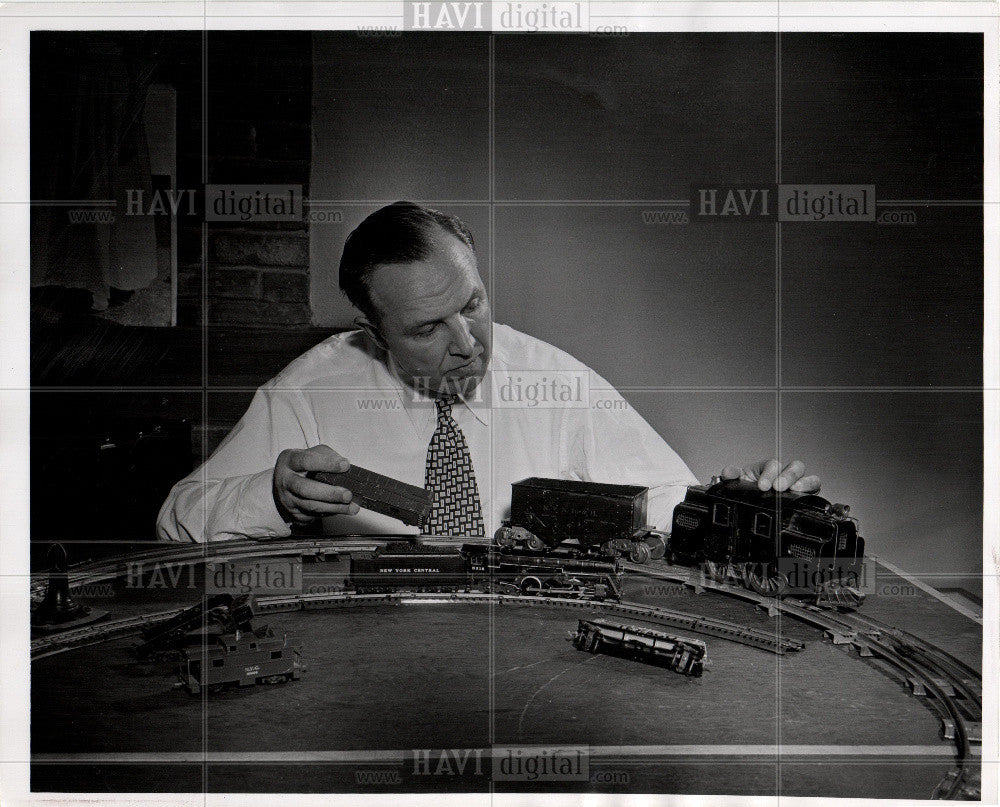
(444, 404)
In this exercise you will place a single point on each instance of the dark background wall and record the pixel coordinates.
(855, 347)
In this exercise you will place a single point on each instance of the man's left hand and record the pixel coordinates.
(769, 475)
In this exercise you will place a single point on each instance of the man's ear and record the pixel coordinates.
(372, 330)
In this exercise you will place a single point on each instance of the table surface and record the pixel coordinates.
(431, 697)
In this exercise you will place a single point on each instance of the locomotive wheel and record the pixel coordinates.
(766, 580)
(639, 552)
(531, 586)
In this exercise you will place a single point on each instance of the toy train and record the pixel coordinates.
(772, 542)
(768, 541)
(599, 519)
(476, 567)
(241, 660)
(218, 646)
(677, 653)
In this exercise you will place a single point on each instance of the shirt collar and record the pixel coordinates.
(420, 407)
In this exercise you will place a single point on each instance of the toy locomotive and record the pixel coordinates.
(771, 541)
(677, 653)
(404, 567)
(602, 520)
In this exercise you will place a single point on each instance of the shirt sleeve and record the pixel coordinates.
(230, 496)
(608, 441)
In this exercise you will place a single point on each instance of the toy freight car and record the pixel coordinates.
(382, 494)
(601, 519)
(773, 541)
(677, 653)
(241, 660)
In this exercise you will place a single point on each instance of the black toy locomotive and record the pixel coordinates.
(599, 519)
(773, 542)
(405, 567)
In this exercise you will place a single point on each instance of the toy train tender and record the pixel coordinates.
(772, 542)
(597, 519)
(677, 653)
(405, 567)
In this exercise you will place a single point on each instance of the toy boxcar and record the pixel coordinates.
(677, 653)
(382, 494)
(601, 518)
(775, 541)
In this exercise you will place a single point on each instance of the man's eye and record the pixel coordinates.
(426, 331)
(474, 305)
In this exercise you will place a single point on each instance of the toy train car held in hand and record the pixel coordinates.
(773, 542)
(595, 518)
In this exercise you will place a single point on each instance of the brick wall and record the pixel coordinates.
(257, 114)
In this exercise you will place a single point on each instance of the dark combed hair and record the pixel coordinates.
(402, 232)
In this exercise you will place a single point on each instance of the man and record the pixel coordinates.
(430, 391)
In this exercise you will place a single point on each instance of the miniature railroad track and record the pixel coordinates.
(89, 634)
(948, 686)
(944, 681)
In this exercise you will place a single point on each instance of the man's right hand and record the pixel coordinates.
(302, 500)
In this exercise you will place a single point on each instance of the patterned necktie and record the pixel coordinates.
(450, 477)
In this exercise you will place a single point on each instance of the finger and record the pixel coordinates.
(807, 484)
(751, 473)
(306, 489)
(316, 509)
(789, 476)
(731, 472)
(767, 475)
(318, 458)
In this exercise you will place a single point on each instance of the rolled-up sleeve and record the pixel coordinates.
(230, 495)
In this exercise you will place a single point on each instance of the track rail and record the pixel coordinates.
(950, 687)
(930, 672)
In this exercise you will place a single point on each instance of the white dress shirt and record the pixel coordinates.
(345, 393)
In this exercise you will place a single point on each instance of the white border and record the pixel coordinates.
(18, 19)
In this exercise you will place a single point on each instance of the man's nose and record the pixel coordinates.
(463, 342)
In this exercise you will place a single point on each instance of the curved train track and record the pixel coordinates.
(949, 686)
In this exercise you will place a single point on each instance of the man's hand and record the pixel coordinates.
(768, 474)
(302, 500)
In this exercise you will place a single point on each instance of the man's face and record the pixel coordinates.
(434, 318)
